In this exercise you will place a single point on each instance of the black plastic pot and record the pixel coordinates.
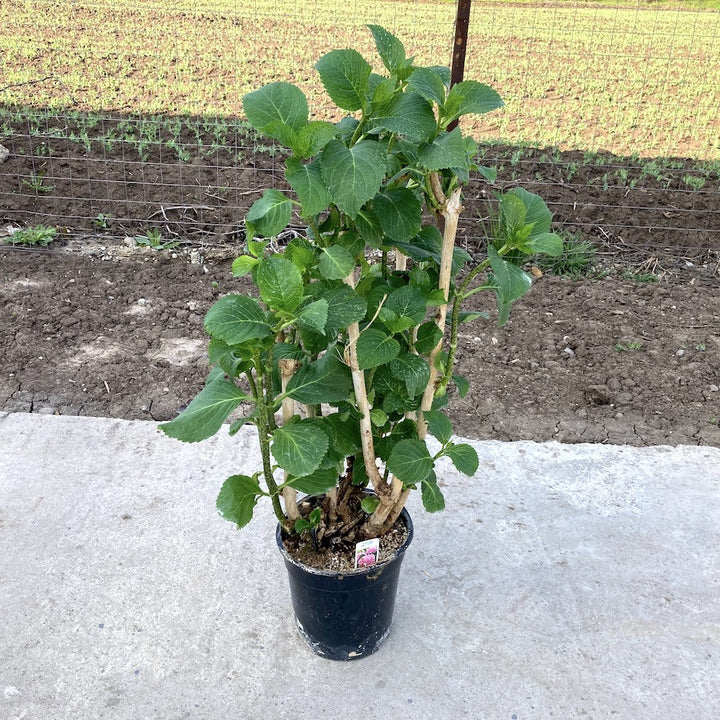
(345, 616)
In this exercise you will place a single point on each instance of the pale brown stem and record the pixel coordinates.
(358, 376)
(287, 370)
(400, 260)
(450, 211)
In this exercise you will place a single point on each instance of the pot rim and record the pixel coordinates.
(405, 515)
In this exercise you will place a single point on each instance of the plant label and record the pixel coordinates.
(366, 553)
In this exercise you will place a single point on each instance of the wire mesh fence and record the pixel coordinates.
(120, 118)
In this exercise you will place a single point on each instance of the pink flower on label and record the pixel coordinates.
(366, 560)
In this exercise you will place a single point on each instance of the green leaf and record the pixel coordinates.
(314, 315)
(399, 212)
(353, 175)
(301, 253)
(513, 211)
(447, 150)
(336, 263)
(307, 182)
(470, 316)
(409, 115)
(375, 348)
(462, 385)
(368, 226)
(268, 215)
(432, 497)
(316, 483)
(282, 132)
(511, 283)
(412, 370)
(390, 49)
(469, 97)
(428, 336)
(209, 409)
(344, 74)
(299, 447)
(280, 283)
(235, 319)
(410, 461)
(312, 138)
(276, 102)
(439, 425)
(243, 265)
(428, 83)
(545, 244)
(464, 457)
(324, 380)
(407, 301)
(536, 211)
(237, 499)
(378, 417)
(369, 504)
(345, 307)
(344, 433)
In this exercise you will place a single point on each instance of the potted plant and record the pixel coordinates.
(343, 353)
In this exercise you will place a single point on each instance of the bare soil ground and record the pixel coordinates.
(91, 326)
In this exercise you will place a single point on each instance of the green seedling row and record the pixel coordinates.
(636, 79)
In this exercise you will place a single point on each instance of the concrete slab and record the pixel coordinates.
(577, 581)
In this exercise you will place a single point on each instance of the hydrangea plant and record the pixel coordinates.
(344, 351)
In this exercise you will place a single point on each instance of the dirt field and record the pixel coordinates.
(91, 326)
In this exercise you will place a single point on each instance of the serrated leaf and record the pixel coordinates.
(345, 307)
(537, 213)
(281, 132)
(412, 370)
(314, 315)
(407, 301)
(439, 425)
(375, 348)
(234, 319)
(336, 263)
(447, 150)
(243, 265)
(316, 483)
(276, 102)
(324, 380)
(307, 182)
(353, 175)
(409, 115)
(268, 215)
(470, 97)
(410, 461)
(237, 499)
(390, 49)
(209, 409)
(432, 497)
(512, 281)
(464, 457)
(428, 336)
(312, 138)
(344, 74)
(280, 283)
(368, 226)
(545, 244)
(399, 213)
(300, 447)
(513, 211)
(428, 83)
